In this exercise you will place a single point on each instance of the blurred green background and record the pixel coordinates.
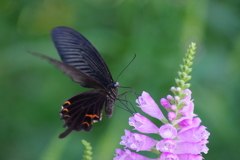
(158, 31)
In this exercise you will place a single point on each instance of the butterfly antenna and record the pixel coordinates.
(126, 108)
(127, 102)
(126, 66)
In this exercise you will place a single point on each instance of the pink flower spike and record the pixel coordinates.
(166, 145)
(148, 105)
(128, 155)
(168, 131)
(137, 141)
(168, 155)
(142, 124)
(171, 116)
(189, 157)
(165, 103)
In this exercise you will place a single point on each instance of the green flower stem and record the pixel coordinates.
(88, 150)
(154, 150)
(183, 78)
(183, 75)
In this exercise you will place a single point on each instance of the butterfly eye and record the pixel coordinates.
(116, 84)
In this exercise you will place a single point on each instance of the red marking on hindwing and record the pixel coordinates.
(65, 110)
(92, 116)
(86, 123)
(67, 102)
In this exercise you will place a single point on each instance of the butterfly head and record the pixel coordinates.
(113, 85)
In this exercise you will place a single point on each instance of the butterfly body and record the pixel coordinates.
(84, 65)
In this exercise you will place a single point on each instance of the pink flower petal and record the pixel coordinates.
(191, 147)
(195, 123)
(171, 116)
(137, 141)
(168, 156)
(188, 97)
(128, 155)
(195, 134)
(187, 110)
(169, 97)
(168, 131)
(148, 105)
(142, 124)
(166, 145)
(189, 157)
(173, 107)
(165, 103)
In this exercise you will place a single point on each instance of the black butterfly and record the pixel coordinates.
(82, 62)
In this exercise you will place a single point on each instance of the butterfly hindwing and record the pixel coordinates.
(80, 111)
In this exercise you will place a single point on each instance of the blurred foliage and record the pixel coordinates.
(158, 31)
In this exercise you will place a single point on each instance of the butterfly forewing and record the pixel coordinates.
(76, 75)
(78, 52)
